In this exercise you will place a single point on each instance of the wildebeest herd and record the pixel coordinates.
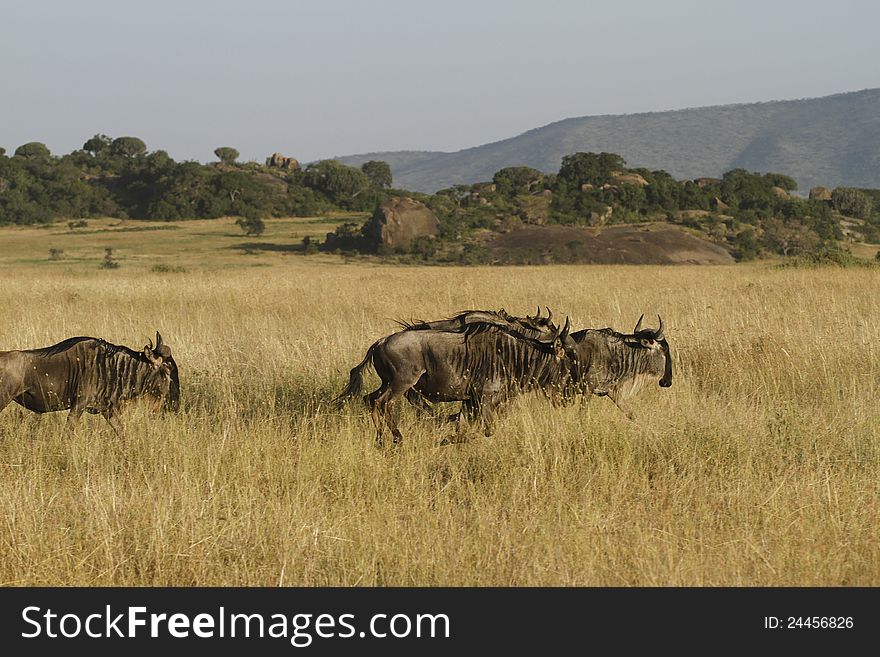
(485, 358)
(480, 358)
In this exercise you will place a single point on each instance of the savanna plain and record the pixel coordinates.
(759, 466)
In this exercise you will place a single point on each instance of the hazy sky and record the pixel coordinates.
(318, 78)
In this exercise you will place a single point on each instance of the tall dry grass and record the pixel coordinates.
(758, 467)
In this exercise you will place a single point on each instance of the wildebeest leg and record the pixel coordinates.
(470, 410)
(113, 418)
(488, 412)
(622, 406)
(72, 419)
(396, 389)
(372, 400)
(418, 400)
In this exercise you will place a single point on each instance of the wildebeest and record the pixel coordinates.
(482, 366)
(618, 364)
(89, 374)
(537, 326)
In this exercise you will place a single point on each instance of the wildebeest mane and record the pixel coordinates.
(525, 362)
(471, 322)
(108, 347)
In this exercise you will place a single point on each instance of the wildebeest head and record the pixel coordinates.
(164, 382)
(558, 340)
(655, 341)
(538, 321)
(547, 330)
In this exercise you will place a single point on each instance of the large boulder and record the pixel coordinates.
(717, 204)
(601, 218)
(279, 161)
(781, 193)
(820, 194)
(630, 178)
(400, 220)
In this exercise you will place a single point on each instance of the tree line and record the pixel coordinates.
(119, 177)
(751, 213)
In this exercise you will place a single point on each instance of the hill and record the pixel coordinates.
(832, 141)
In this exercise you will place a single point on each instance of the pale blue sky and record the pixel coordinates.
(318, 78)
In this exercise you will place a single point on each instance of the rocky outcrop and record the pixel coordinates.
(601, 218)
(781, 193)
(397, 222)
(717, 204)
(629, 178)
(279, 161)
(820, 194)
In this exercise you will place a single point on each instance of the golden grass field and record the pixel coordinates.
(760, 466)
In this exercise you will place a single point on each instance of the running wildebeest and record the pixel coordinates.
(617, 365)
(482, 366)
(89, 374)
(538, 327)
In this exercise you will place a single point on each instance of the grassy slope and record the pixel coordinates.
(831, 141)
(758, 467)
(202, 244)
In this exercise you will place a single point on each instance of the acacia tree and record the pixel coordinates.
(33, 150)
(378, 172)
(97, 144)
(515, 180)
(127, 147)
(591, 168)
(226, 154)
(335, 179)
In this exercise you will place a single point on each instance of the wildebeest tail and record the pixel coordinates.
(356, 377)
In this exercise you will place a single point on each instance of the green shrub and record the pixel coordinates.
(109, 262)
(252, 225)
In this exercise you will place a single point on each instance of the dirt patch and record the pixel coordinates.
(653, 244)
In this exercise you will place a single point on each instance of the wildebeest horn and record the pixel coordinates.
(639, 324)
(549, 313)
(538, 314)
(158, 340)
(566, 328)
(658, 334)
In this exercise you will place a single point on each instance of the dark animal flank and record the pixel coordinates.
(491, 354)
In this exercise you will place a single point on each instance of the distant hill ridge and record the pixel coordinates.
(831, 141)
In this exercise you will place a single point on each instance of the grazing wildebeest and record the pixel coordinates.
(89, 374)
(618, 364)
(482, 367)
